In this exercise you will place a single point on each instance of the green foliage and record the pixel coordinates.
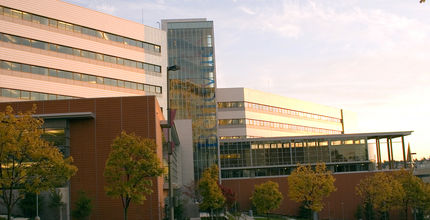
(130, 165)
(380, 192)
(27, 162)
(56, 202)
(28, 204)
(83, 207)
(266, 197)
(310, 186)
(210, 191)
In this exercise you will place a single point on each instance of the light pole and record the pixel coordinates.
(169, 145)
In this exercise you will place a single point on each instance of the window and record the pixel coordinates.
(39, 44)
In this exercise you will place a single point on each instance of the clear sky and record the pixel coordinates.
(371, 57)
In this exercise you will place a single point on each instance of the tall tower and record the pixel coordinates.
(192, 88)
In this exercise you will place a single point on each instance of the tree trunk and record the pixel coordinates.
(125, 213)
(314, 215)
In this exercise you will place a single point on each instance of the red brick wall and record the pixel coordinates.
(90, 146)
(342, 204)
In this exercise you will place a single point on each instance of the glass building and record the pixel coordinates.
(277, 156)
(192, 88)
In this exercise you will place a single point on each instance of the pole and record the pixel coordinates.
(37, 207)
(169, 145)
(169, 151)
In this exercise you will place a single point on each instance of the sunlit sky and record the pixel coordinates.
(371, 57)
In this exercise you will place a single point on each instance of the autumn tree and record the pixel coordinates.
(379, 192)
(210, 191)
(28, 163)
(83, 207)
(310, 186)
(131, 163)
(266, 197)
(229, 195)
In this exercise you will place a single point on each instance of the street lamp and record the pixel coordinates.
(169, 146)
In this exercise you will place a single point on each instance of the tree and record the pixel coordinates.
(266, 197)
(310, 187)
(209, 189)
(28, 204)
(379, 192)
(413, 190)
(56, 203)
(27, 162)
(229, 195)
(83, 207)
(131, 164)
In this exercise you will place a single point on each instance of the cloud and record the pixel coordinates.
(246, 10)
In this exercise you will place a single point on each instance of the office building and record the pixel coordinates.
(192, 88)
(85, 130)
(249, 113)
(55, 50)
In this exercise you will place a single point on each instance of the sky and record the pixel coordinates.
(371, 57)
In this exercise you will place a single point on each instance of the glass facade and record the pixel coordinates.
(248, 158)
(192, 88)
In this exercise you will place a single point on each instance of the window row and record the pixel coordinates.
(281, 171)
(269, 124)
(21, 94)
(78, 29)
(78, 76)
(274, 109)
(78, 52)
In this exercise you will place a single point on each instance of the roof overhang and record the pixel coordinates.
(71, 115)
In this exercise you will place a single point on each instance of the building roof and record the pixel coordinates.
(374, 135)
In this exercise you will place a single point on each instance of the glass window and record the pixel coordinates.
(77, 28)
(39, 44)
(35, 96)
(6, 65)
(77, 76)
(146, 88)
(53, 23)
(99, 80)
(1, 10)
(120, 61)
(52, 97)
(120, 83)
(92, 79)
(53, 47)
(88, 54)
(139, 65)
(99, 34)
(26, 16)
(39, 70)
(25, 95)
(157, 69)
(140, 86)
(16, 14)
(59, 97)
(52, 72)
(109, 59)
(85, 77)
(10, 38)
(99, 56)
(7, 11)
(76, 52)
(133, 85)
(66, 50)
(158, 90)
(14, 93)
(119, 39)
(43, 96)
(127, 85)
(25, 42)
(16, 66)
(25, 68)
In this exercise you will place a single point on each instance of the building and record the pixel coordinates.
(248, 113)
(252, 161)
(192, 88)
(55, 50)
(85, 129)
